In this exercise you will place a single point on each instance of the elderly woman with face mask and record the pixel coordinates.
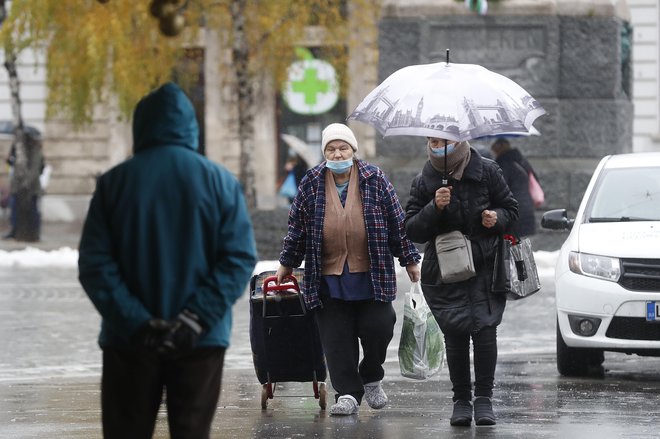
(346, 223)
(459, 190)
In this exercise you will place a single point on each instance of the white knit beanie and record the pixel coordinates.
(338, 131)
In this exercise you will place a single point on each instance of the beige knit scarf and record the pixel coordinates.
(457, 160)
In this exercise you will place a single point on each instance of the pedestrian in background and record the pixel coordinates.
(478, 203)
(298, 166)
(295, 168)
(8, 198)
(516, 171)
(33, 190)
(346, 223)
(166, 249)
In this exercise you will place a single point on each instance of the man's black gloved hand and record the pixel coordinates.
(151, 334)
(183, 334)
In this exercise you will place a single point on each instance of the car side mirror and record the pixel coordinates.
(557, 220)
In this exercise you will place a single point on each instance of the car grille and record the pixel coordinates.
(640, 274)
(633, 328)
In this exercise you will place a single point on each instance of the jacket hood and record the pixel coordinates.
(514, 155)
(165, 117)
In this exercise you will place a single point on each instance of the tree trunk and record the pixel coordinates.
(25, 185)
(245, 90)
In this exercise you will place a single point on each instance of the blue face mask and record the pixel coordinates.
(440, 151)
(339, 166)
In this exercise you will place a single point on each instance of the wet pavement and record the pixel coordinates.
(50, 370)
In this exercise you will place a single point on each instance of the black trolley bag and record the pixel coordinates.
(286, 346)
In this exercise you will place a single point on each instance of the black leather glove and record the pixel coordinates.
(182, 335)
(151, 334)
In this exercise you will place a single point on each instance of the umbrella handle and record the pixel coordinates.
(444, 176)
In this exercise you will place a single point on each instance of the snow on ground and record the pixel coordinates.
(66, 257)
(33, 257)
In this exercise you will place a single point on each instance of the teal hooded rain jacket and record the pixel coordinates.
(167, 229)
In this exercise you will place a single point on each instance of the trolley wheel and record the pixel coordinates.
(323, 394)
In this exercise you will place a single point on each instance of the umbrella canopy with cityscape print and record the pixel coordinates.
(448, 101)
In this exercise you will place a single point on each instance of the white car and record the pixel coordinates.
(607, 275)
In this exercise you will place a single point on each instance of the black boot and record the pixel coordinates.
(483, 411)
(462, 415)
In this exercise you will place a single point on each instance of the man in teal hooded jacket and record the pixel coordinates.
(166, 249)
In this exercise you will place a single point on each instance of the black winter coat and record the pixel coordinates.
(467, 306)
(516, 168)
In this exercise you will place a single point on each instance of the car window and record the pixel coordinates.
(626, 195)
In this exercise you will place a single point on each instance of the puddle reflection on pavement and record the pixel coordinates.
(50, 369)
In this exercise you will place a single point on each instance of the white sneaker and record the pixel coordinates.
(345, 405)
(375, 395)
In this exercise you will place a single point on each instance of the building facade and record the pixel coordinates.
(645, 19)
(78, 157)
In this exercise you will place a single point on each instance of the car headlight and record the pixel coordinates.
(601, 267)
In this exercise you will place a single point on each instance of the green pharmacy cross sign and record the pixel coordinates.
(311, 86)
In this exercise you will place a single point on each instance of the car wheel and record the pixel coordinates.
(577, 362)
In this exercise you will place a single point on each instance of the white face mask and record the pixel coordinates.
(339, 166)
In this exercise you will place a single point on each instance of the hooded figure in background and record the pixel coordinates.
(167, 248)
(516, 171)
(477, 202)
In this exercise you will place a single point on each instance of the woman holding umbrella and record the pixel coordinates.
(458, 190)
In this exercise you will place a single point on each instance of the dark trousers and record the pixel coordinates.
(132, 388)
(35, 214)
(343, 326)
(457, 347)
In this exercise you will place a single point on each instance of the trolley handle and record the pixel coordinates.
(289, 282)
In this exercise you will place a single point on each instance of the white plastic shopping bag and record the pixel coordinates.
(421, 348)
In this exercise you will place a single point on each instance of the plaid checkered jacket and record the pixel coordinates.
(383, 217)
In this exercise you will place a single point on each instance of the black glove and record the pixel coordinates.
(151, 334)
(182, 335)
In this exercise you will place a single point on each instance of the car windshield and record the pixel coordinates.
(626, 195)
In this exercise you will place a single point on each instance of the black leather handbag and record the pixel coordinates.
(515, 274)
